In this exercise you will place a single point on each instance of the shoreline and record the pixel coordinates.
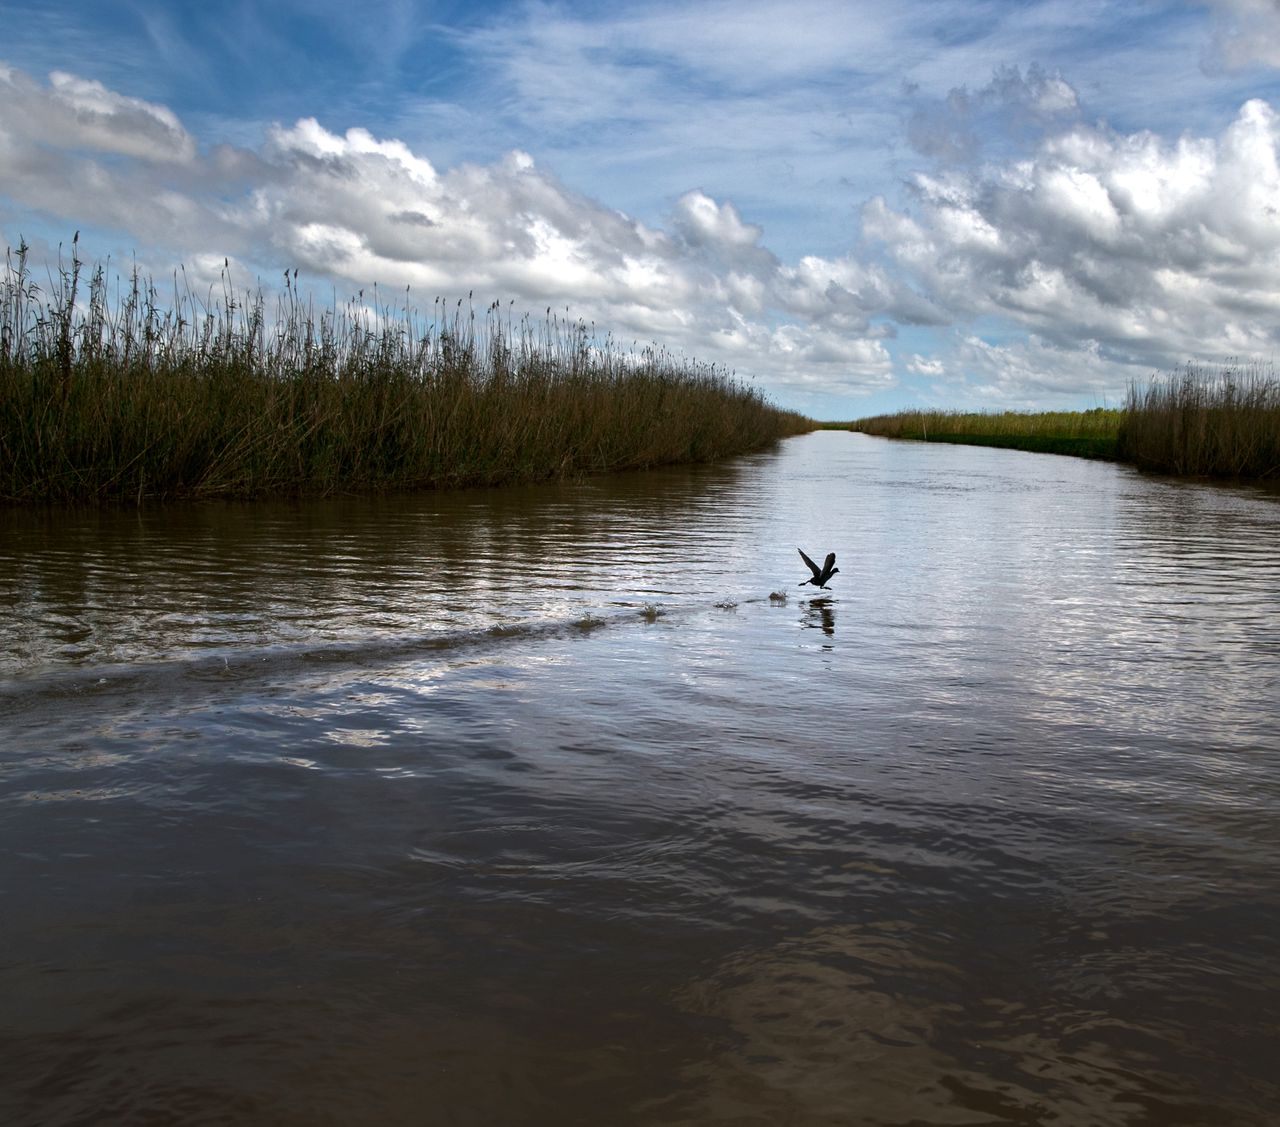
(1197, 424)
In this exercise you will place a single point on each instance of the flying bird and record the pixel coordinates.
(820, 574)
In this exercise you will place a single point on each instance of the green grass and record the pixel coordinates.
(126, 398)
(1089, 434)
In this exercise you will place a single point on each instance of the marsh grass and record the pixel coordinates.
(1197, 422)
(1205, 423)
(110, 394)
(1089, 434)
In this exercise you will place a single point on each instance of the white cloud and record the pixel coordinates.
(704, 222)
(1156, 252)
(1107, 250)
(76, 113)
(925, 365)
(1034, 372)
(955, 128)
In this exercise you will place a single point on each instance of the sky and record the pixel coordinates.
(857, 207)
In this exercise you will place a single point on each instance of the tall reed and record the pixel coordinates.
(1199, 422)
(111, 394)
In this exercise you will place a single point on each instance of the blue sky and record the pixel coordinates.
(858, 206)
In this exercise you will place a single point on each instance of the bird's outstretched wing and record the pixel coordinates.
(828, 566)
(813, 567)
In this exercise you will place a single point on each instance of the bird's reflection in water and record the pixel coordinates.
(820, 614)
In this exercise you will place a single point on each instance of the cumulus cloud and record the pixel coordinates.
(925, 365)
(953, 129)
(1156, 251)
(704, 222)
(77, 113)
(1106, 253)
(1031, 372)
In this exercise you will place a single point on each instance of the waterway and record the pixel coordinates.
(566, 804)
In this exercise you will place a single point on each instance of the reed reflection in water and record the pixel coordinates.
(404, 810)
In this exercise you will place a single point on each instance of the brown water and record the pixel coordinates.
(402, 811)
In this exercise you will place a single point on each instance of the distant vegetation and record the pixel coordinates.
(118, 397)
(1198, 423)
(1090, 434)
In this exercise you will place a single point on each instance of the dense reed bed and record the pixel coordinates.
(1090, 434)
(1223, 424)
(119, 397)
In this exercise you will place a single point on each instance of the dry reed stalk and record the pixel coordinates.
(127, 398)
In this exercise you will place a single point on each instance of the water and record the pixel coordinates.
(532, 806)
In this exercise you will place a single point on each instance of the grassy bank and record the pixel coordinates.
(1197, 423)
(1089, 434)
(110, 394)
(1223, 424)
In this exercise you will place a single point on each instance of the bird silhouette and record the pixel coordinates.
(820, 574)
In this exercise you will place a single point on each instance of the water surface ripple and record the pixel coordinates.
(533, 806)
